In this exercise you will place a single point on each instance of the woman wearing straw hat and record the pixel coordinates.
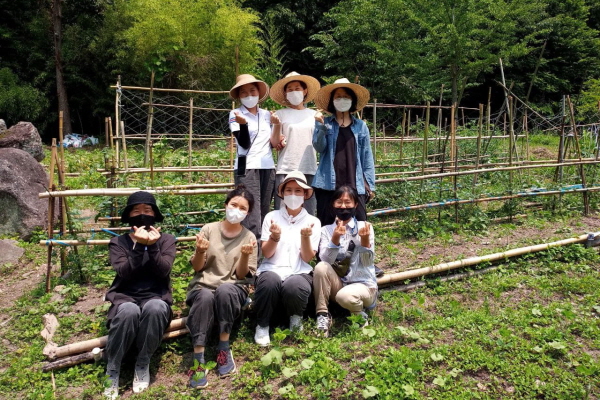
(140, 294)
(290, 239)
(343, 142)
(254, 165)
(295, 130)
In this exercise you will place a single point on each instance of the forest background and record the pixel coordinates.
(65, 54)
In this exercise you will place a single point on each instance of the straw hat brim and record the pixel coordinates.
(278, 94)
(324, 95)
(309, 191)
(263, 89)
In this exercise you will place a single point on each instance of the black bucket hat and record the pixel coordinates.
(141, 197)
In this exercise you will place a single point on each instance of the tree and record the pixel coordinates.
(418, 45)
(61, 89)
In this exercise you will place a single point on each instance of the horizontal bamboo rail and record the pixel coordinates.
(97, 242)
(126, 192)
(186, 107)
(419, 272)
(480, 200)
(169, 90)
(435, 139)
(218, 210)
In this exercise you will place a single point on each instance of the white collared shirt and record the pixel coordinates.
(260, 155)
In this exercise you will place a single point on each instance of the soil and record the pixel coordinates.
(25, 275)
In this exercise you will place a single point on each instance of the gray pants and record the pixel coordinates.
(270, 292)
(144, 325)
(225, 303)
(261, 183)
(310, 205)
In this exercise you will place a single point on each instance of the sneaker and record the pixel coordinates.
(198, 376)
(261, 337)
(296, 323)
(378, 272)
(111, 386)
(324, 324)
(141, 378)
(225, 363)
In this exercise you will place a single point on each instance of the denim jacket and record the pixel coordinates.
(324, 141)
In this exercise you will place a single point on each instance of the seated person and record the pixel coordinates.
(290, 238)
(346, 273)
(140, 293)
(225, 255)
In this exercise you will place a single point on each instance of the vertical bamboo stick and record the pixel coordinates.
(61, 182)
(106, 137)
(118, 118)
(425, 139)
(191, 133)
(375, 129)
(125, 163)
(586, 200)
(51, 203)
(110, 134)
(454, 159)
(149, 124)
(151, 165)
(478, 153)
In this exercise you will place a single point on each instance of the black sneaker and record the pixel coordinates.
(378, 272)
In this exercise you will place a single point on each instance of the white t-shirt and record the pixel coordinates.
(286, 260)
(260, 155)
(298, 155)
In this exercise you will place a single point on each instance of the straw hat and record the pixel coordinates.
(278, 88)
(324, 95)
(244, 79)
(300, 180)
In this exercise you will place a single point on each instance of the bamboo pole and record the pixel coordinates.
(478, 155)
(586, 200)
(454, 158)
(158, 105)
(425, 140)
(60, 163)
(53, 352)
(375, 129)
(110, 133)
(125, 163)
(150, 121)
(141, 88)
(419, 272)
(51, 204)
(127, 192)
(478, 200)
(191, 133)
(218, 210)
(118, 118)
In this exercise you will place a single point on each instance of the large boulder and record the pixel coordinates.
(23, 136)
(22, 178)
(10, 252)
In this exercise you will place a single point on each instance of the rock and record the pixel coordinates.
(22, 178)
(23, 136)
(10, 252)
(2, 126)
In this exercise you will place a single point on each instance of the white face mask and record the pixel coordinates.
(249, 101)
(235, 215)
(295, 98)
(342, 104)
(293, 202)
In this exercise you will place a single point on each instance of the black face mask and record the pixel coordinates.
(344, 214)
(142, 221)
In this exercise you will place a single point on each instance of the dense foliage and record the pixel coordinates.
(402, 50)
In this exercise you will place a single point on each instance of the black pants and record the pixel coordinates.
(225, 303)
(325, 210)
(293, 294)
(261, 183)
(144, 325)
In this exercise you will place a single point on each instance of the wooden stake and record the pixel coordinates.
(191, 133)
(149, 124)
(586, 200)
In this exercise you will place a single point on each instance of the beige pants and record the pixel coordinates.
(327, 285)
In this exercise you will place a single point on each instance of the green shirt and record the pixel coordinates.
(222, 258)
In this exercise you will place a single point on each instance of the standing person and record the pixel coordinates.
(295, 131)
(225, 256)
(254, 165)
(343, 143)
(290, 239)
(140, 293)
(346, 273)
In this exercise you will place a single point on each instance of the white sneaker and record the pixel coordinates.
(141, 378)
(323, 324)
(296, 323)
(261, 337)
(111, 389)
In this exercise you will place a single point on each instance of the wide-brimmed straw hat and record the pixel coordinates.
(278, 88)
(141, 197)
(323, 96)
(244, 79)
(300, 180)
